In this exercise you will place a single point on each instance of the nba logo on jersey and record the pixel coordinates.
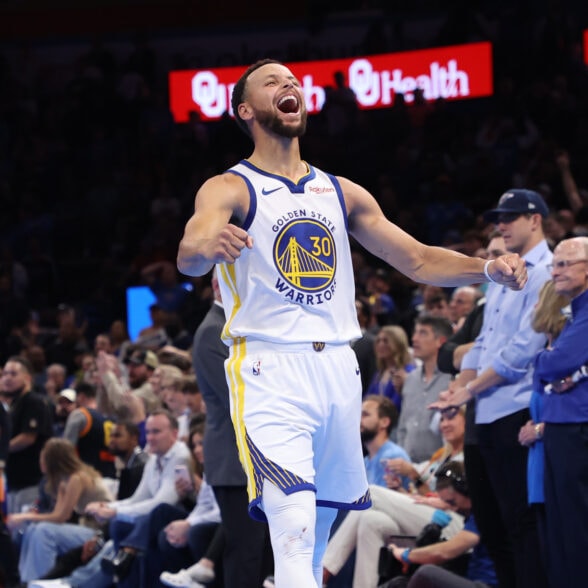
(257, 368)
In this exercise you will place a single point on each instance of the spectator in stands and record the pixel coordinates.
(394, 361)
(340, 111)
(453, 350)
(396, 512)
(56, 380)
(379, 297)
(30, 427)
(161, 378)
(498, 372)
(364, 346)
(156, 487)
(8, 551)
(170, 537)
(70, 342)
(180, 358)
(378, 417)
(74, 485)
(102, 343)
(89, 431)
(119, 338)
(435, 301)
(576, 198)
(418, 427)
(194, 401)
(176, 402)
(4, 440)
(461, 303)
(561, 370)
(157, 483)
(141, 365)
(36, 356)
(154, 336)
(124, 444)
(550, 319)
(453, 489)
(65, 405)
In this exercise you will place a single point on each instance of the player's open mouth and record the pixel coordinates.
(288, 104)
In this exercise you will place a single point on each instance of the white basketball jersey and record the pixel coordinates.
(296, 284)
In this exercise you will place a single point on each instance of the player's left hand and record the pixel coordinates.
(509, 270)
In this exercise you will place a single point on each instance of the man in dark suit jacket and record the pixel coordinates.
(364, 346)
(246, 545)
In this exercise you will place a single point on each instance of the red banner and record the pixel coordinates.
(586, 46)
(458, 72)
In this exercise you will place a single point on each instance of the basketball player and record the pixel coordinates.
(278, 228)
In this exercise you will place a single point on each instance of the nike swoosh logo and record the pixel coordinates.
(266, 192)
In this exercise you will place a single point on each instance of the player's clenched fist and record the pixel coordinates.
(229, 243)
(509, 270)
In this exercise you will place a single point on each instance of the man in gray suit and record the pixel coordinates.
(246, 540)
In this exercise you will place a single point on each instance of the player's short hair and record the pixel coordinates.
(238, 95)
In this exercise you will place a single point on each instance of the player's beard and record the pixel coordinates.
(272, 122)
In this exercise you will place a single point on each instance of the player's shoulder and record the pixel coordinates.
(225, 190)
(356, 197)
(224, 181)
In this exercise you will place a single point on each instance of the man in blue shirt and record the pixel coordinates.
(562, 369)
(378, 418)
(497, 371)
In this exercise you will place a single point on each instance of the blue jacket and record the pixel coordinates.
(568, 353)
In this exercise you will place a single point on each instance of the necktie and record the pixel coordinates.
(159, 469)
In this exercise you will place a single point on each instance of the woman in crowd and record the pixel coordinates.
(394, 361)
(73, 484)
(549, 319)
(396, 512)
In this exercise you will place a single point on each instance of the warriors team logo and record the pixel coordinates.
(304, 253)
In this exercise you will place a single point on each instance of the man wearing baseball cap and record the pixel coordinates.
(516, 202)
(65, 404)
(113, 398)
(141, 365)
(497, 372)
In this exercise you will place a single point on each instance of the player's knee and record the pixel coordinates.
(293, 532)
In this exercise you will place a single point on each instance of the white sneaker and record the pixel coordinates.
(201, 573)
(181, 579)
(58, 583)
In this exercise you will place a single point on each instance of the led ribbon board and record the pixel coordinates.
(457, 72)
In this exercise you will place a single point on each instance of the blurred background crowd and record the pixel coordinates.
(97, 182)
(96, 179)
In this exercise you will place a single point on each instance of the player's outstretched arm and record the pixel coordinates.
(209, 236)
(422, 263)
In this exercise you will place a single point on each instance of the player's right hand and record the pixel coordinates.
(229, 243)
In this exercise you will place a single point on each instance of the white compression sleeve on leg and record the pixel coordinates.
(291, 520)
